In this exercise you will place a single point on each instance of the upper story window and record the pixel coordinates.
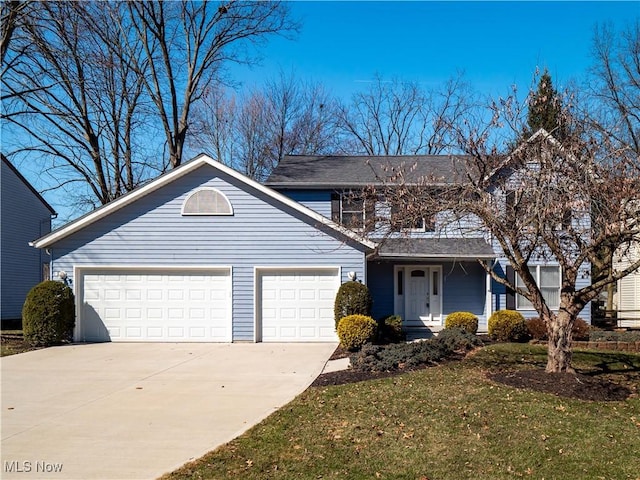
(548, 279)
(352, 210)
(403, 219)
(207, 201)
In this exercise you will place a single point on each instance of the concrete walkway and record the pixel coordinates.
(136, 411)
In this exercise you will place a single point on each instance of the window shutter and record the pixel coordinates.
(511, 294)
(335, 207)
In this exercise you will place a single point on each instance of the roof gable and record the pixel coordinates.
(6, 161)
(173, 175)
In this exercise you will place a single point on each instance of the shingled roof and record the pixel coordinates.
(313, 171)
(435, 248)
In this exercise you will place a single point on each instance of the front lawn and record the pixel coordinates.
(444, 422)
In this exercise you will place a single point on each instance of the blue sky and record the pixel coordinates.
(496, 44)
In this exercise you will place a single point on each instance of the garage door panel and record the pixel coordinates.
(156, 306)
(297, 305)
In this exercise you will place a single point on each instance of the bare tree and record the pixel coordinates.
(187, 45)
(400, 118)
(543, 201)
(614, 83)
(253, 132)
(70, 92)
(10, 18)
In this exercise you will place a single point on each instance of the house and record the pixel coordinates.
(628, 288)
(203, 253)
(25, 216)
(415, 273)
(422, 268)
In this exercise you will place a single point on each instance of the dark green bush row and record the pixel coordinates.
(607, 336)
(48, 314)
(378, 358)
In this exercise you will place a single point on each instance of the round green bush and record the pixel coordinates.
(48, 314)
(390, 329)
(356, 330)
(353, 298)
(508, 326)
(464, 320)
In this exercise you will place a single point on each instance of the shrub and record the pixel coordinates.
(48, 314)
(356, 330)
(580, 330)
(465, 320)
(390, 329)
(397, 356)
(353, 298)
(609, 336)
(537, 328)
(508, 326)
(458, 339)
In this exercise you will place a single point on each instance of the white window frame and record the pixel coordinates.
(350, 198)
(535, 271)
(211, 213)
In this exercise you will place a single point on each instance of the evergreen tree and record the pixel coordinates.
(545, 109)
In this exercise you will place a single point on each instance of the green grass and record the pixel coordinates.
(446, 422)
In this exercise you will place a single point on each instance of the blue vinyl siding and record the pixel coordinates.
(24, 219)
(380, 281)
(262, 232)
(318, 200)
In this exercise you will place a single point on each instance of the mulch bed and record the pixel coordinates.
(568, 385)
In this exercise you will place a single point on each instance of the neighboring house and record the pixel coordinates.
(628, 288)
(204, 253)
(25, 217)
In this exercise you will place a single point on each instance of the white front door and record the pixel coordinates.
(418, 298)
(420, 303)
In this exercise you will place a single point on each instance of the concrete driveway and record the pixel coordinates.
(136, 411)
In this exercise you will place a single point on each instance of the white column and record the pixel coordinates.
(489, 297)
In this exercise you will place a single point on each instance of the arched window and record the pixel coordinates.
(207, 201)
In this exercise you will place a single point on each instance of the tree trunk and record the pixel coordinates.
(559, 355)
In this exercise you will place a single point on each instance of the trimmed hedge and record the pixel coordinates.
(48, 314)
(465, 320)
(508, 326)
(353, 298)
(356, 330)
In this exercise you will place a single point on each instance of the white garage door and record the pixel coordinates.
(161, 306)
(297, 305)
